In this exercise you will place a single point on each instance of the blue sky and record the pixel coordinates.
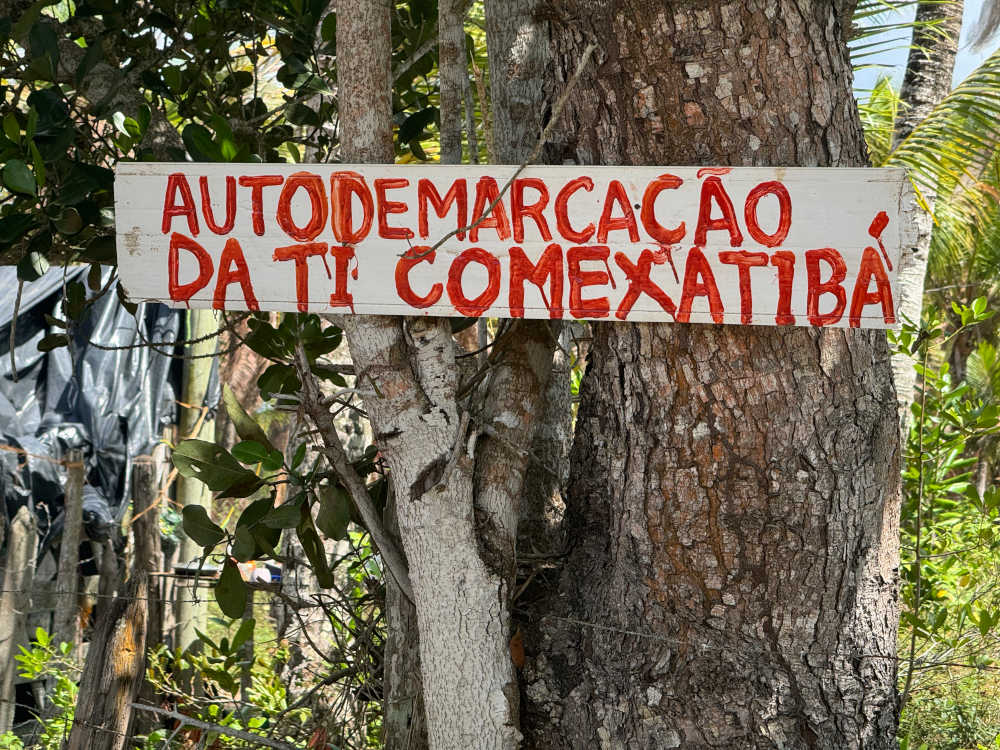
(895, 59)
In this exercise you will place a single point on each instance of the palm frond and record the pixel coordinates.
(983, 371)
(949, 153)
(878, 117)
(966, 254)
(880, 26)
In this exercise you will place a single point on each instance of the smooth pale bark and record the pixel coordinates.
(408, 376)
(929, 71)
(404, 720)
(195, 423)
(733, 500)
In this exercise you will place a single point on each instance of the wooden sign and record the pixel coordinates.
(745, 246)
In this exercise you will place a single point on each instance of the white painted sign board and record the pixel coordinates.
(744, 246)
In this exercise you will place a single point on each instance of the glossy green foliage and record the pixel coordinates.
(95, 82)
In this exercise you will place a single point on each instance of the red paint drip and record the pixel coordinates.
(611, 278)
(713, 170)
(879, 223)
(326, 265)
(665, 255)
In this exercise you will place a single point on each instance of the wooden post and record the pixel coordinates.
(18, 578)
(194, 424)
(115, 665)
(165, 563)
(67, 620)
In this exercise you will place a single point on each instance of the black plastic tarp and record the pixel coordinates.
(112, 403)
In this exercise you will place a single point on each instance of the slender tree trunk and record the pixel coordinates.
(195, 423)
(408, 376)
(112, 675)
(733, 499)
(453, 77)
(404, 719)
(521, 77)
(15, 601)
(929, 73)
(522, 81)
(67, 615)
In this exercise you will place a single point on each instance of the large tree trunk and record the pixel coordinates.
(929, 71)
(734, 491)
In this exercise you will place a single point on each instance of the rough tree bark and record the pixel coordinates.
(453, 75)
(66, 619)
(521, 82)
(929, 71)
(112, 675)
(734, 491)
(456, 471)
(15, 601)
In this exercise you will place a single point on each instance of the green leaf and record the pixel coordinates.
(32, 266)
(28, 18)
(91, 57)
(42, 40)
(38, 162)
(244, 634)
(69, 221)
(207, 640)
(254, 513)
(325, 372)
(312, 545)
(144, 116)
(94, 277)
(101, 250)
(265, 538)
(328, 29)
(17, 177)
(75, 299)
(287, 515)
(247, 486)
(198, 141)
(231, 591)
(213, 465)
(11, 128)
(199, 527)
(244, 545)
(249, 452)
(278, 379)
(414, 125)
(246, 427)
(300, 454)
(15, 226)
(53, 341)
(334, 512)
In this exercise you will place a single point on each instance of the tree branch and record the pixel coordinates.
(254, 739)
(312, 403)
